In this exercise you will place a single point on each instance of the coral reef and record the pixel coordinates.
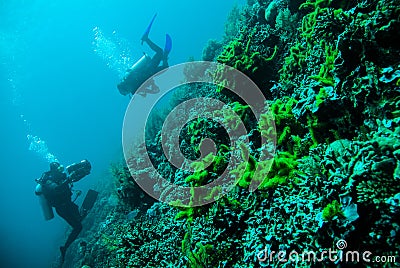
(330, 71)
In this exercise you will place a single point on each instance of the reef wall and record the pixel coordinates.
(330, 71)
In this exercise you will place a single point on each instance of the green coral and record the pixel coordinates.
(282, 110)
(285, 162)
(221, 159)
(195, 130)
(199, 257)
(234, 115)
(321, 97)
(266, 125)
(294, 62)
(202, 172)
(242, 58)
(198, 177)
(300, 51)
(313, 125)
(283, 169)
(310, 20)
(185, 214)
(331, 211)
(325, 76)
(247, 168)
(285, 121)
(315, 4)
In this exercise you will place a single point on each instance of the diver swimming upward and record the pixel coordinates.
(146, 66)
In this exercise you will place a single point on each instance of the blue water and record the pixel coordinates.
(60, 62)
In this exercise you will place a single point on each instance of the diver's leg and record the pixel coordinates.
(165, 60)
(73, 235)
(70, 213)
(71, 238)
(152, 45)
(157, 58)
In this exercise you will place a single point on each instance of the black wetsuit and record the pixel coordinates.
(57, 191)
(135, 78)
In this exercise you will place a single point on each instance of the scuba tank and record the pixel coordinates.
(135, 76)
(44, 204)
(76, 171)
(140, 64)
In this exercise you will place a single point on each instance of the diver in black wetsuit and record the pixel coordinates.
(55, 186)
(146, 66)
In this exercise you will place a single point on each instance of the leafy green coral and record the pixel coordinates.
(233, 115)
(200, 173)
(325, 76)
(266, 125)
(285, 121)
(283, 169)
(186, 213)
(331, 211)
(310, 20)
(321, 97)
(288, 129)
(221, 159)
(242, 54)
(282, 110)
(247, 169)
(204, 169)
(195, 130)
(242, 58)
(294, 62)
(195, 258)
(300, 51)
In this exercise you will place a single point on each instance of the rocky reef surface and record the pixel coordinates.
(330, 71)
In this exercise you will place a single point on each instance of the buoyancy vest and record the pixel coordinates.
(56, 188)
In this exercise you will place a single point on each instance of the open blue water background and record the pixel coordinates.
(60, 62)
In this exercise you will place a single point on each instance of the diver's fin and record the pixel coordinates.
(146, 33)
(88, 203)
(168, 44)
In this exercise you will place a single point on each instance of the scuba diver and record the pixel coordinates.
(54, 190)
(146, 66)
